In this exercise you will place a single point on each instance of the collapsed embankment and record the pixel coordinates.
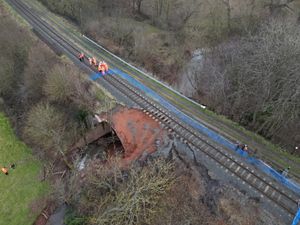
(197, 189)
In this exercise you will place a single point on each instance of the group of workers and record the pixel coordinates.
(102, 66)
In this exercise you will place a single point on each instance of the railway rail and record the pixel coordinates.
(283, 198)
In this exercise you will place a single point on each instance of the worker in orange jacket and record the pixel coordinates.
(103, 67)
(4, 170)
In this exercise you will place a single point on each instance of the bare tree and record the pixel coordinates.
(276, 6)
(59, 84)
(40, 60)
(6, 76)
(256, 80)
(66, 84)
(136, 6)
(116, 196)
(228, 12)
(14, 45)
(46, 128)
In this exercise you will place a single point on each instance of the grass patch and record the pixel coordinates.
(22, 186)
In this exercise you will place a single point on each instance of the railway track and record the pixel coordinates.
(283, 198)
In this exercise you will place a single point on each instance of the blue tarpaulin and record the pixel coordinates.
(296, 220)
(95, 76)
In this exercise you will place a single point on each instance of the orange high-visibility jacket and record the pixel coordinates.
(4, 170)
(103, 67)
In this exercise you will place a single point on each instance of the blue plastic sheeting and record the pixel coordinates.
(296, 220)
(213, 135)
(95, 76)
(273, 173)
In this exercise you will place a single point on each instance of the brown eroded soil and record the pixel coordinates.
(137, 132)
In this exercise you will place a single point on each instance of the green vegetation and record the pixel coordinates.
(22, 185)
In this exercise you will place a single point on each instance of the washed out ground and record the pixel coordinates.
(233, 202)
(265, 150)
(142, 137)
(138, 133)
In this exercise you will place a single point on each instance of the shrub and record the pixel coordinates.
(45, 127)
(66, 84)
(40, 61)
